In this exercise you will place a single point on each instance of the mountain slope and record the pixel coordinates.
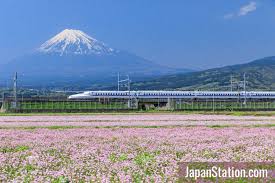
(73, 58)
(260, 75)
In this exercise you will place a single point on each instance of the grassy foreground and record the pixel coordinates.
(233, 113)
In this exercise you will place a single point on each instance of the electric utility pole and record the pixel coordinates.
(244, 87)
(125, 83)
(118, 81)
(231, 82)
(15, 89)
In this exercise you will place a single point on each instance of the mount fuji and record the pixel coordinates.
(74, 59)
(75, 42)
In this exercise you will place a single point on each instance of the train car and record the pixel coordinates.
(174, 95)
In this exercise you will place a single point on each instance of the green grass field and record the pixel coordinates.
(149, 112)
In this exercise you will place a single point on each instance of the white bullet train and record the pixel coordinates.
(174, 95)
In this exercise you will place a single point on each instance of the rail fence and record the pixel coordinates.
(101, 105)
(29, 106)
(225, 105)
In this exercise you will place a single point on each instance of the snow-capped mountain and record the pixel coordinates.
(71, 41)
(73, 58)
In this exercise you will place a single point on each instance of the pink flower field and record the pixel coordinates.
(100, 149)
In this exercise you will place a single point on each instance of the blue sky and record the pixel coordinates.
(178, 33)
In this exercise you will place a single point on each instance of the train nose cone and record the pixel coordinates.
(72, 97)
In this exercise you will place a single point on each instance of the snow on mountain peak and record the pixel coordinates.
(75, 42)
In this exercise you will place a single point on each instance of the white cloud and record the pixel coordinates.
(228, 16)
(252, 6)
(244, 10)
